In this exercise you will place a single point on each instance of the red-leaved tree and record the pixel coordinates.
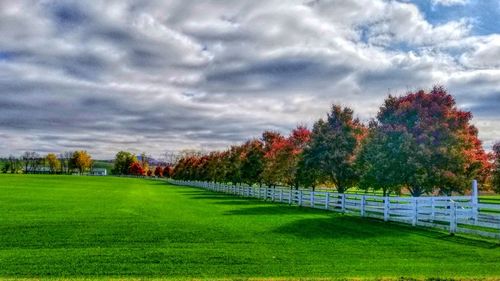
(168, 171)
(159, 171)
(136, 169)
(424, 142)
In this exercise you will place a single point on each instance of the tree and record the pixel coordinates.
(425, 142)
(379, 169)
(282, 156)
(234, 164)
(13, 165)
(145, 161)
(296, 143)
(496, 167)
(31, 161)
(53, 162)
(136, 169)
(273, 142)
(81, 161)
(333, 148)
(123, 160)
(159, 171)
(64, 159)
(168, 171)
(252, 162)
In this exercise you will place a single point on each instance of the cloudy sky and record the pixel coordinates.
(106, 75)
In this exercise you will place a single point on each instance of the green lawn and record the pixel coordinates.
(70, 226)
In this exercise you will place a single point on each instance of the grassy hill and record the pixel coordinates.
(71, 226)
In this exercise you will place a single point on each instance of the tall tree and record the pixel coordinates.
(136, 169)
(168, 171)
(296, 143)
(81, 161)
(496, 167)
(252, 162)
(273, 142)
(53, 162)
(431, 142)
(234, 164)
(65, 158)
(333, 148)
(145, 161)
(122, 162)
(31, 161)
(378, 168)
(15, 164)
(159, 171)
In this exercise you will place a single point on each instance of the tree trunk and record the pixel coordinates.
(416, 191)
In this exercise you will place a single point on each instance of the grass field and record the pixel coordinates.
(69, 226)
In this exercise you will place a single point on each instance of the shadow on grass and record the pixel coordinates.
(337, 227)
(470, 241)
(265, 209)
(239, 202)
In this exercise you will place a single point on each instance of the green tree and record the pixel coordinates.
(380, 168)
(333, 148)
(252, 162)
(234, 164)
(122, 163)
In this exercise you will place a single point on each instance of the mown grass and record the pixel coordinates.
(101, 227)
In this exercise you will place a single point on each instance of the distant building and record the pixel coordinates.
(40, 170)
(99, 172)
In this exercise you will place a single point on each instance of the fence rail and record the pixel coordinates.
(456, 214)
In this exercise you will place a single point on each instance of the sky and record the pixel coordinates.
(155, 76)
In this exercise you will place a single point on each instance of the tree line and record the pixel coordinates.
(419, 143)
(32, 162)
(127, 163)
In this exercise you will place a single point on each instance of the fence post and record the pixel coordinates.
(312, 199)
(433, 211)
(475, 201)
(415, 212)
(386, 208)
(290, 198)
(281, 195)
(327, 200)
(363, 203)
(300, 197)
(453, 217)
(342, 198)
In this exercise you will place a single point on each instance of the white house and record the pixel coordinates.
(99, 172)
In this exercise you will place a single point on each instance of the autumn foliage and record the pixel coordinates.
(420, 142)
(136, 169)
(496, 167)
(159, 171)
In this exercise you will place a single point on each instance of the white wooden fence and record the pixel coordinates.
(456, 214)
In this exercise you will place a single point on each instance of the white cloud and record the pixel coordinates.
(484, 53)
(159, 75)
(448, 3)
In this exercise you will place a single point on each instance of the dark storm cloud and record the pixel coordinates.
(161, 75)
